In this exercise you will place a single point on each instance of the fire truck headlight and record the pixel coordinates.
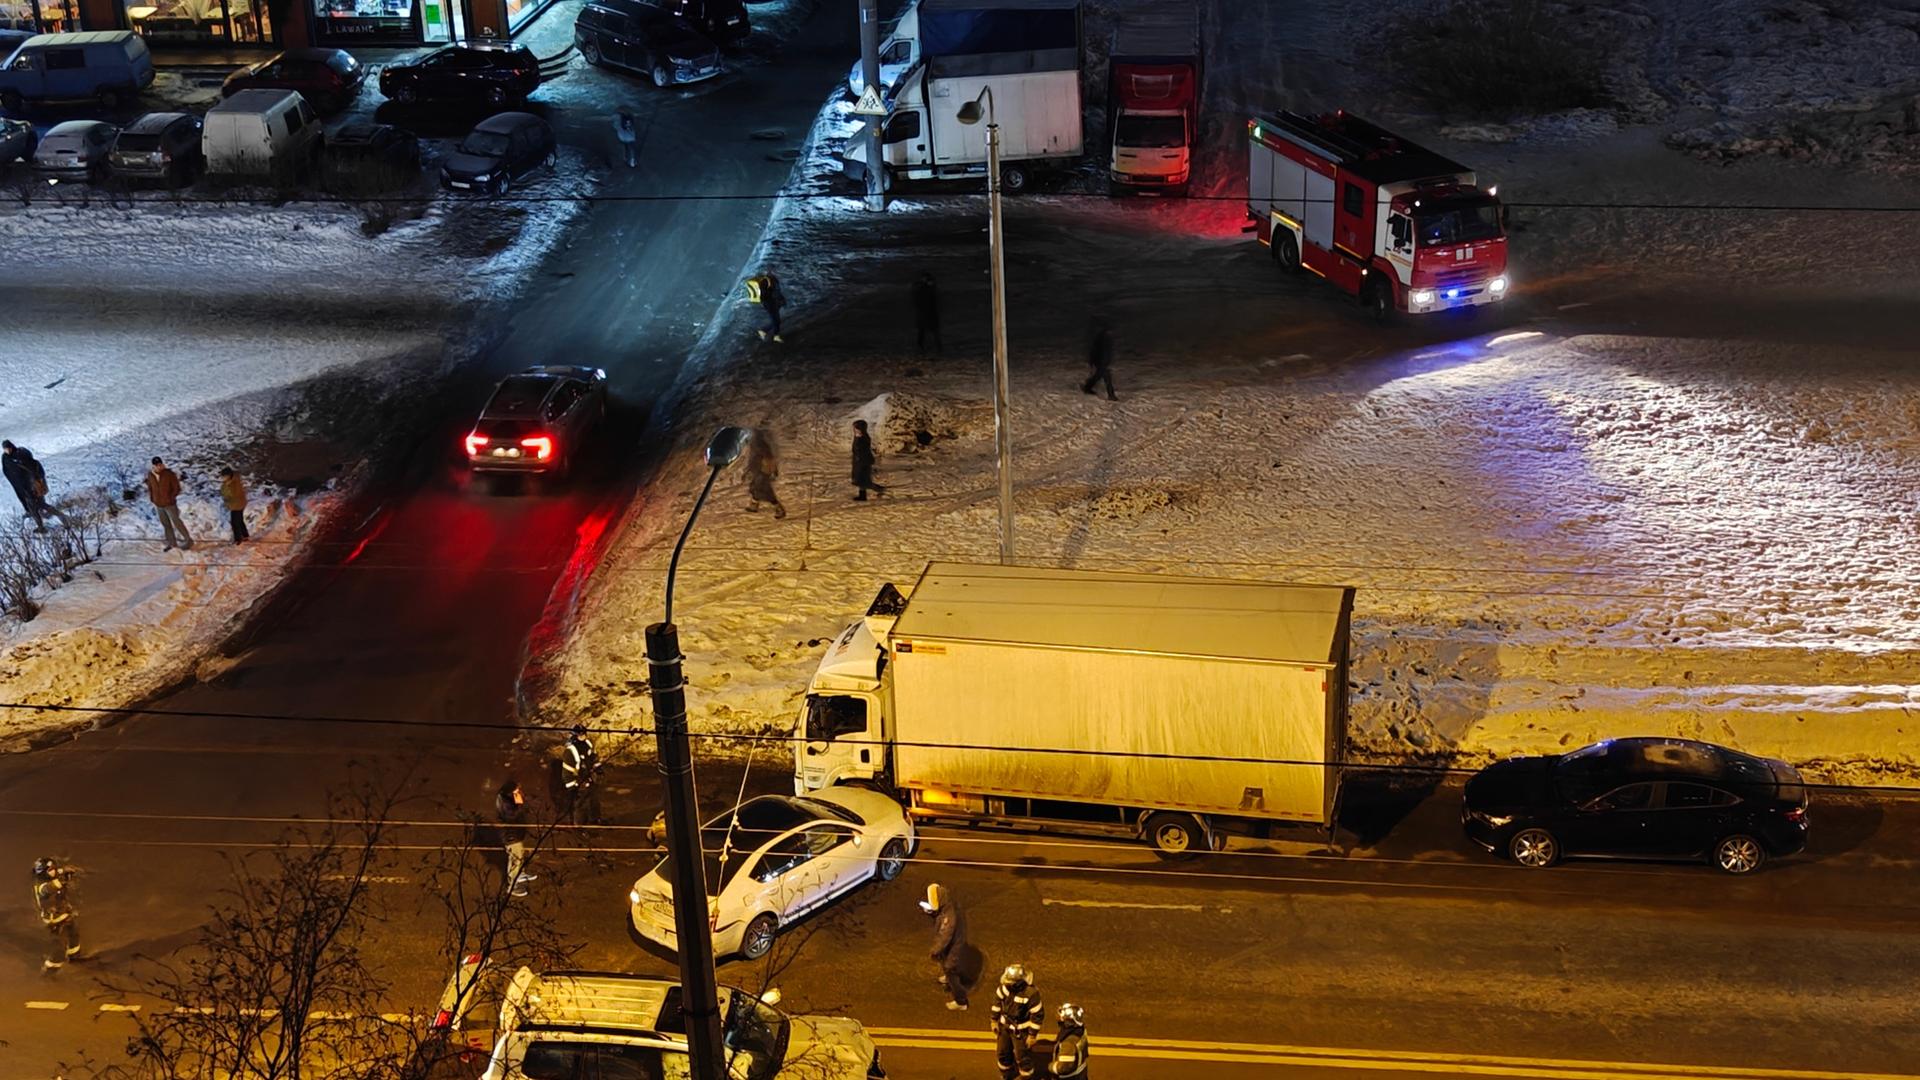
(1422, 297)
(1498, 284)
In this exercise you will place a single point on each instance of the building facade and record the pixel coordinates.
(278, 23)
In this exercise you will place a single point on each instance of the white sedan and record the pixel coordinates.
(775, 859)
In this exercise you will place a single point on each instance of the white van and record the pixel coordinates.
(271, 134)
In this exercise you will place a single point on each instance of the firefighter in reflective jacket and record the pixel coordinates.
(1070, 1044)
(1017, 1016)
(578, 766)
(50, 881)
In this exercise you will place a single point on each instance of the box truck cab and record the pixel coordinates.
(899, 50)
(108, 66)
(1173, 710)
(1153, 77)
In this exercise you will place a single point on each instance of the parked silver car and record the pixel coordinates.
(74, 150)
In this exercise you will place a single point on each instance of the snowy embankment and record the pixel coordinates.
(1696, 518)
(272, 338)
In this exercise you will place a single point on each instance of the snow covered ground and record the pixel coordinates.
(1694, 514)
(208, 334)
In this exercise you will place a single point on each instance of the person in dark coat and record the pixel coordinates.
(926, 313)
(29, 480)
(863, 463)
(949, 943)
(1100, 360)
(763, 468)
(510, 808)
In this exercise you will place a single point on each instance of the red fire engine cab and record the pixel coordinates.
(1397, 225)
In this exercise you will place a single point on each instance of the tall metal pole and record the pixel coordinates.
(870, 71)
(1003, 432)
(699, 990)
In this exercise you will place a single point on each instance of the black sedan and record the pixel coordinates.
(1646, 798)
(499, 150)
(490, 74)
(537, 421)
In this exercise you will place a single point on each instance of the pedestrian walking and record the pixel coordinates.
(926, 313)
(1070, 1044)
(163, 489)
(233, 495)
(863, 463)
(29, 480)
(510, 808)
(949, 943)
(580, 776)
(764, 289)
(629, 134)
(53, 899)
(1100, 360)
(763, 468)
(1017, 1015)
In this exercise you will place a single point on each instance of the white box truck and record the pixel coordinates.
(1027, 54)
(1173, 710)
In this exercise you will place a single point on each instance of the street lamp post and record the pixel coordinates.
(1003, 433)
(699, 989)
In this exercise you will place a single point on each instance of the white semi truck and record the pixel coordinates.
(1173, 710)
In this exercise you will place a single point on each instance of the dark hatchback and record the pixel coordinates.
(499, 150)
(1643, 798)
(368, 159)
(328, 78)
(538, 421)
(471, 74)
(159, 146)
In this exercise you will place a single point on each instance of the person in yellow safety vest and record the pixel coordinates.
(1017, 1016)
(579, 769)
(50, 897)
(1070, 1045)
(764, 289)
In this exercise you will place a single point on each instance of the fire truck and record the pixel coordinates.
(1392, 223)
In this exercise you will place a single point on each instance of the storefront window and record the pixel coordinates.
(179, 20)
(46, 17)
(364, 18)
(17, 15)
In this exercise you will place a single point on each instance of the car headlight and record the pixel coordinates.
(481, 178)
(1498, 284)
(1421, 296)
(633, 897)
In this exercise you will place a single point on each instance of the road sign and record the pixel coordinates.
(869, 104)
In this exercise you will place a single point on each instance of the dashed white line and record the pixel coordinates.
(112, 1007)
(1120, 904)
(54, 1005)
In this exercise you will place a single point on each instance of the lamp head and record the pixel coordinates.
(726, 446)
(970, 112)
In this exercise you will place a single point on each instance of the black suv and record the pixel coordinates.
(1645, 798)
(643, 38)
(470, 74)
(724, 21)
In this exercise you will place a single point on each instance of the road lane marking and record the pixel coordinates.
(54, 1005)
(111, 1007)
(1050, 902)
(372, 879)
(1378, 1060)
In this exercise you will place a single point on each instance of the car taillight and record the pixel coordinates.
(541, 445)
(1797, 815)
(474, 443)
(443, 1020)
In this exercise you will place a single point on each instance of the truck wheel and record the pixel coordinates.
(1176, 836)
(1378, 298)
(1013, 179)
(1286, 251)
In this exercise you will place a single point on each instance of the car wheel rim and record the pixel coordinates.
(759, 939)
(1739, 855)
(1532, 848)
(893, 860)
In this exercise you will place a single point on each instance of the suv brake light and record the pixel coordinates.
(541, 445)
(1797, 814)
(474, 443)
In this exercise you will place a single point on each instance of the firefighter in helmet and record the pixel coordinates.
(55, 904)
(1070, 1044)
(1017, 1016)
